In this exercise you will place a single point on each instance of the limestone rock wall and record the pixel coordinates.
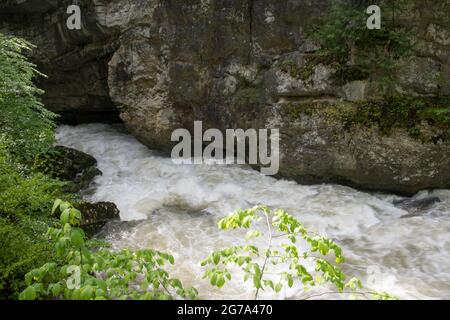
(166, 63)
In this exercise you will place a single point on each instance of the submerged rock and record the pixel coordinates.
(114, 229)
(416, 207)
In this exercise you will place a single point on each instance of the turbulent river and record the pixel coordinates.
(176, 208)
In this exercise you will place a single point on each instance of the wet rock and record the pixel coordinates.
(72, 165)
(416, 207)
(96, 215)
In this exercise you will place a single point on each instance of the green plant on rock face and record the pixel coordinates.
(400, 112)
(82, 274)
(248, 98)
(290, 263)
(304, 72)
(24, 122)
(358, 53)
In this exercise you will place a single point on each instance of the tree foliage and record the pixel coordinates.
(25, 125)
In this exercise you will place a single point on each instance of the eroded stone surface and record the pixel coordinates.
(232, 64)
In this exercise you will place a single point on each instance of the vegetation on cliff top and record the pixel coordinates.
(358, 53)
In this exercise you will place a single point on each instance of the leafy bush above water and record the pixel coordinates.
(79, 272)
(21, 250)
(281, 263)
(26, 196)
(82, 274)
(25, 204)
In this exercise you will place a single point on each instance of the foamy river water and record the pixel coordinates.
(176, 209)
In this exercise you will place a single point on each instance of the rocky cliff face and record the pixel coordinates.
(166, 63)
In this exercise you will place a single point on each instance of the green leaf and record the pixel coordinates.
(214, 279)
(77, 237)
(86, 293)
(57, 289)
(75, 217)
(257, 281)
(278, 287)
(65, 215)
(251, 234)
(56, 205)
(290, 280)
(28, 294)
(340, 260)
(220, 281)
(216, 258)
(64, 206)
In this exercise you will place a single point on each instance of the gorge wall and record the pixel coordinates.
(165, 63)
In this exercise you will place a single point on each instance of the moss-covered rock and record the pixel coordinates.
(341, 142)
(67, 164)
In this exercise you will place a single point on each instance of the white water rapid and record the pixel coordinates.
(180, 205)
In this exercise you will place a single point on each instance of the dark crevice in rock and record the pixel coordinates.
(76, 117)
(28, 7)
(251, 4)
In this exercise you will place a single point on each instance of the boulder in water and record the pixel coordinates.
(416, 207)
(72, 165)
(96, 215)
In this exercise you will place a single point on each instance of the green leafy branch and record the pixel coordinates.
(82, 274)
(254, 263)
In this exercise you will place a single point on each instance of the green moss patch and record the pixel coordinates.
(401, 112)
(248, 98)
(395, 112)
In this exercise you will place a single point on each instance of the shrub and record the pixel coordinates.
(24, 193)
(25, 124)
(26, 130)
(25, 203)
(282, 262)
(357, 52)
(79, 273)
(21, 251)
